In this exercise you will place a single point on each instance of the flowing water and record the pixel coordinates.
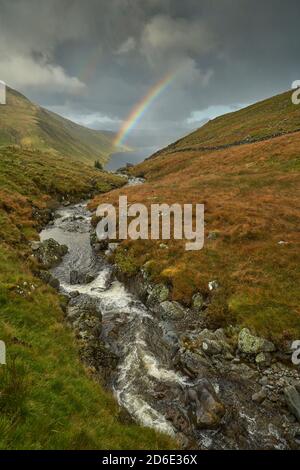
(139, 372)
(146, 382)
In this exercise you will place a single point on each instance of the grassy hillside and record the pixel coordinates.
(48, 399)
(251, 194)
(268, 118)
(29, 125)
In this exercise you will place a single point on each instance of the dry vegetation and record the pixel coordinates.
(262, 120)
(251, 194)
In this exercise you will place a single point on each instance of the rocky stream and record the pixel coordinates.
(165, 368)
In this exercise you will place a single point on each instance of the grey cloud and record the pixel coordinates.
(103, 56)
(164, 36)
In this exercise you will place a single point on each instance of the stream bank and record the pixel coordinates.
(165, 368)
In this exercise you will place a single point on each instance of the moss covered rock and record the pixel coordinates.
(50, 253)
(159, 293)
(250, 344)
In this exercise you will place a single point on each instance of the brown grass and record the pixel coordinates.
(251, 195)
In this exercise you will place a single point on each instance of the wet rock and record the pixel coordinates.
(73, 294)
(260, 396)
(171, 310)
(80, 278)
(74, 277)
(50, 253)
(94, 353)
(179, 420)
(205, 408)
(170, 337)
(192, 364)
(250, 344)
(88, 278)
(49, 279)
(83, 304)
(84, 314)
(292, 397)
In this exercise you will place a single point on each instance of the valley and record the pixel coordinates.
(33, 127)
(195, 346)
(48, 398)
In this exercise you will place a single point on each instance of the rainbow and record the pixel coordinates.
(138, 111)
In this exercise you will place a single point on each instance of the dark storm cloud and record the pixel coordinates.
(94, 60)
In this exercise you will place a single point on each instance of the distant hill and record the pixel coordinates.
(31, 126)
(266, 119)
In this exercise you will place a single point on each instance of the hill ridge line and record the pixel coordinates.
(171, 149)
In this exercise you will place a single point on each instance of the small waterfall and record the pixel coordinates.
(139, 371)
(146, 380)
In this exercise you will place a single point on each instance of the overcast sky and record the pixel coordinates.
(94, 60)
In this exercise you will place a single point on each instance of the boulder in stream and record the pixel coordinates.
(205, 408)
(80, 278)
(292, 397)
(84, 314)
(49, 253)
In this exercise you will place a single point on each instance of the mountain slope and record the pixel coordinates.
(29, 125)
(266, 119)
(251, 194)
